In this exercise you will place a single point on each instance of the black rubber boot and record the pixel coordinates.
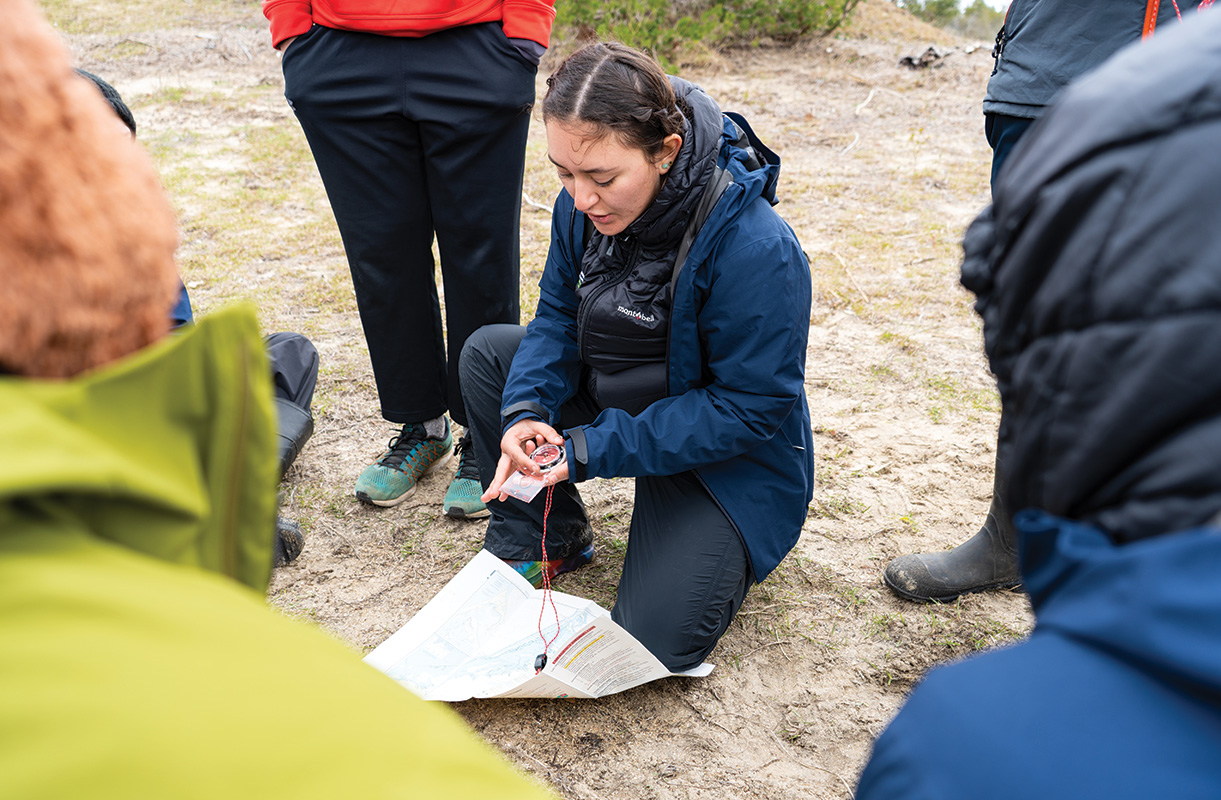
(988, 560)
(294, 426)
(289, 542)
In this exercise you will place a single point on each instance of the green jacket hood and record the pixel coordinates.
(169, 452)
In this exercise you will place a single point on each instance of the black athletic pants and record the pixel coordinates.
(686, 572)
(415, 137)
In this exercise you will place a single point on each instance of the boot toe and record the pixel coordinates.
(943, 577)
(909, 577)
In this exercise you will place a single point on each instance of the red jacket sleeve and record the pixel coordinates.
(288, 18)
(526, 19)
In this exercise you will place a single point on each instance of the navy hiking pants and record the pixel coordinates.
(416, 137)
(1003, 132)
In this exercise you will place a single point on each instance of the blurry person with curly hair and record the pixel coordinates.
(137, 495)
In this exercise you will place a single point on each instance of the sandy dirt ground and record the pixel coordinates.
(883, 167)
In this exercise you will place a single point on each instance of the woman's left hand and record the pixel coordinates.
(516, 446)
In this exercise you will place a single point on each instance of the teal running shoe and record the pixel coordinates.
(409, 456)
(462, 498)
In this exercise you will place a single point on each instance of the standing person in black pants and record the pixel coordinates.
(1043, 45)
(1096, 277)
(417, 117)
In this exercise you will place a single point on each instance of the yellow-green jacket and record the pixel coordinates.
(138, 657)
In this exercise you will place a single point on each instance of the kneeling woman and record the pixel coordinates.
(669, 345)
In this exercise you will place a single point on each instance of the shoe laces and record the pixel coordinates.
(468, 466)
(400, 446)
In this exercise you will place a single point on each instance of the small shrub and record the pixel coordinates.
(669, 30)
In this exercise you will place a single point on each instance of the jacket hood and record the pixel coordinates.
(663, 221)
(745, 168)
(754, 167)
(1151, 603)
(170, 452)
(1097, 276)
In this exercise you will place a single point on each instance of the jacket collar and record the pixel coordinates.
(661, 225)
(170, 452)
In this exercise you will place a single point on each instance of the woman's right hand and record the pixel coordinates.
(284, 44)
(516, 445)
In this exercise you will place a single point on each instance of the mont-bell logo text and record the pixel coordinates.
(636, 314)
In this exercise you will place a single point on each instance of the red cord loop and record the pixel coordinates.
(542, 659)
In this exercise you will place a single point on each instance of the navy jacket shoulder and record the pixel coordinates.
(1114, 695)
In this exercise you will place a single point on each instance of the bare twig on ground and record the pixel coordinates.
(700, 714)
(771, 644)
(535, 204)
(847, 272)
(872, 91)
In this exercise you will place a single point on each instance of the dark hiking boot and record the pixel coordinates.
(294, 426)
(988, 560)
(289, 542)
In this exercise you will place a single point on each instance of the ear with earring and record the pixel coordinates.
(666, 165)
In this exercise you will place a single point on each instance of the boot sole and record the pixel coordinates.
(949, 598)
(443, 461)
(457, 513)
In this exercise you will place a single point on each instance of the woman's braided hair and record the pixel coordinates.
(617, 89)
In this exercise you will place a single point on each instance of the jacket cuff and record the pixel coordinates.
(528, 19)
(530, 50)
(576, 450)
(288, 18)
(511, 415)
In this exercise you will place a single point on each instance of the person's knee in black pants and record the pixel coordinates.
(514, 532)
(686, 572)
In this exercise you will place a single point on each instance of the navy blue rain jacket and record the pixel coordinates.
(737, 412)
(1114, 696)
(1098, 276)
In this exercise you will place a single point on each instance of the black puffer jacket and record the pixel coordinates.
(1098, 272)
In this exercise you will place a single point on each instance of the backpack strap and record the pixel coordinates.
(757, 154)
(1150, 18)
(703, 210)
(1151, 9)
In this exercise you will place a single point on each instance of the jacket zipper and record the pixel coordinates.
(229, 555)
(998, 49)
